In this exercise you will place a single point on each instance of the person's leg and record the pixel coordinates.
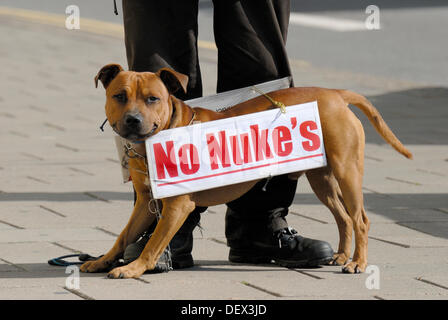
(251, 36)
(260, 212)
(164, 34)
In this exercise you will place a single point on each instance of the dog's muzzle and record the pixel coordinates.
(133, 122)
(133, 127)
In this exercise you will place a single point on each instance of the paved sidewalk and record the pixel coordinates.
(61, 189)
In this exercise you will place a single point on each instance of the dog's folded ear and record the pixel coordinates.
(173, 80)
(107, 74)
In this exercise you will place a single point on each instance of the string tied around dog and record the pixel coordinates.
(276, 103)
(282, 107)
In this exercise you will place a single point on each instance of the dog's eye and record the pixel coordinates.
(121, 97)
(152, 99)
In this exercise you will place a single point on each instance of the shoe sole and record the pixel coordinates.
(324, 259)
(303, 264)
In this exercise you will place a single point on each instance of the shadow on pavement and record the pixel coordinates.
(43, 270)
(408, 209)
(413, 211)
(416, 116)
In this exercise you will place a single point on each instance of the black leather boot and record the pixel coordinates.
(182, 243)
(286, 249)
(255, 242)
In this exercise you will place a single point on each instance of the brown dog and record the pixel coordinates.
(139, 105)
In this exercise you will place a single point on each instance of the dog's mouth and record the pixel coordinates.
(135, 136)
(150, 133)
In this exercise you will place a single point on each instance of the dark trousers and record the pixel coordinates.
(250, 36)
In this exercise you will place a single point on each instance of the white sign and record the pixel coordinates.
(233, 150)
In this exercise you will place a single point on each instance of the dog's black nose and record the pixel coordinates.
(133, 120)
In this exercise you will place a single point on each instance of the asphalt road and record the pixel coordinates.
(411, 44)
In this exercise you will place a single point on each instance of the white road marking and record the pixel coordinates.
(328, 23)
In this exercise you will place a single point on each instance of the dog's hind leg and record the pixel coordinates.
(349, 175)
(326, 188)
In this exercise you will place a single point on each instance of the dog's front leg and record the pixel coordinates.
(140, 221)
(174, 213)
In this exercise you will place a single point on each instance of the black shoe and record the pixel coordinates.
(287, 249)
(180, 246)
(178, 261)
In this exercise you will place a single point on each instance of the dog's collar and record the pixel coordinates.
(193, 116)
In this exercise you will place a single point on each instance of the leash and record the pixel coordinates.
(60, 261)
(82, 257)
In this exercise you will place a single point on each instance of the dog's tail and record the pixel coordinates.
(376, 119)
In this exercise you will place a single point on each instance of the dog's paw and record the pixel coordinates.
(339, 259)
(95, 266)
(133, 270)
(354, 267)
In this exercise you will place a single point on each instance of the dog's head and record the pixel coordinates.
(139, 104)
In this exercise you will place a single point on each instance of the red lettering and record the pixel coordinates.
(218, 150)
(189, 159)
(235, 146)
(282, 141)
(293, 122)
(305, 132)
(261, 146)
(165, 160)
(247, 156)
